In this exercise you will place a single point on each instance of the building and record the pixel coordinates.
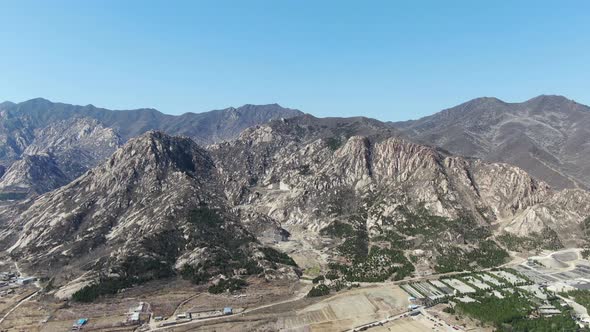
(227, 311)
(5, 276)
(581, 285)
(79, 323)
(134, 318)
(559, 287)
(549, 312)
(186, 315)
(26, 280)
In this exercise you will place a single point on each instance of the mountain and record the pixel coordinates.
(347, 187)
(33, 173)
(204, 128)
(76, 144)
(357, 200)
(153, 208)
(548, 136)
(79, 137)
(57, 154)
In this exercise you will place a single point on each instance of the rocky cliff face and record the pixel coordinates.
(547, 136)
(76, 144)
(15, 135)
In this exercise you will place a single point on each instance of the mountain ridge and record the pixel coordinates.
(36, 126)
(542, 135)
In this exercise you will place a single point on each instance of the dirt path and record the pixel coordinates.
(300, 295)
(153, 325)
(17, 305)
(36, 283)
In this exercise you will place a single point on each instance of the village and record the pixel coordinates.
(543, 281)
(444, 302)
(142, 315)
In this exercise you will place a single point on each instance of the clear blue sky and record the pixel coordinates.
(390, 60)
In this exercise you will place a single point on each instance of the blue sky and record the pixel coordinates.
(392, 60)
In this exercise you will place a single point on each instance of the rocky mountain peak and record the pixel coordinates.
(484, 102)
(548, 104)
(80, 137)
(549, 99)
(35, 104)
(157, 203)
(158, 148)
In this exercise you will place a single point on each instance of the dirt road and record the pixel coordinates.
(17, 305)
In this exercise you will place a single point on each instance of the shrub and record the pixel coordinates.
(320, 290)
(317, 279)
(105, 286)
(276, 256)
(449, 310)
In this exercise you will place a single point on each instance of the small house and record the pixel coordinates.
(134, 318)
(25, 281)
(79, 323)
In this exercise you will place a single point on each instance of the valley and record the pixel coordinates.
(545, 281)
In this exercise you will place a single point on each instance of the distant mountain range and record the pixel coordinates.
(548, 136)
(76, 138)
